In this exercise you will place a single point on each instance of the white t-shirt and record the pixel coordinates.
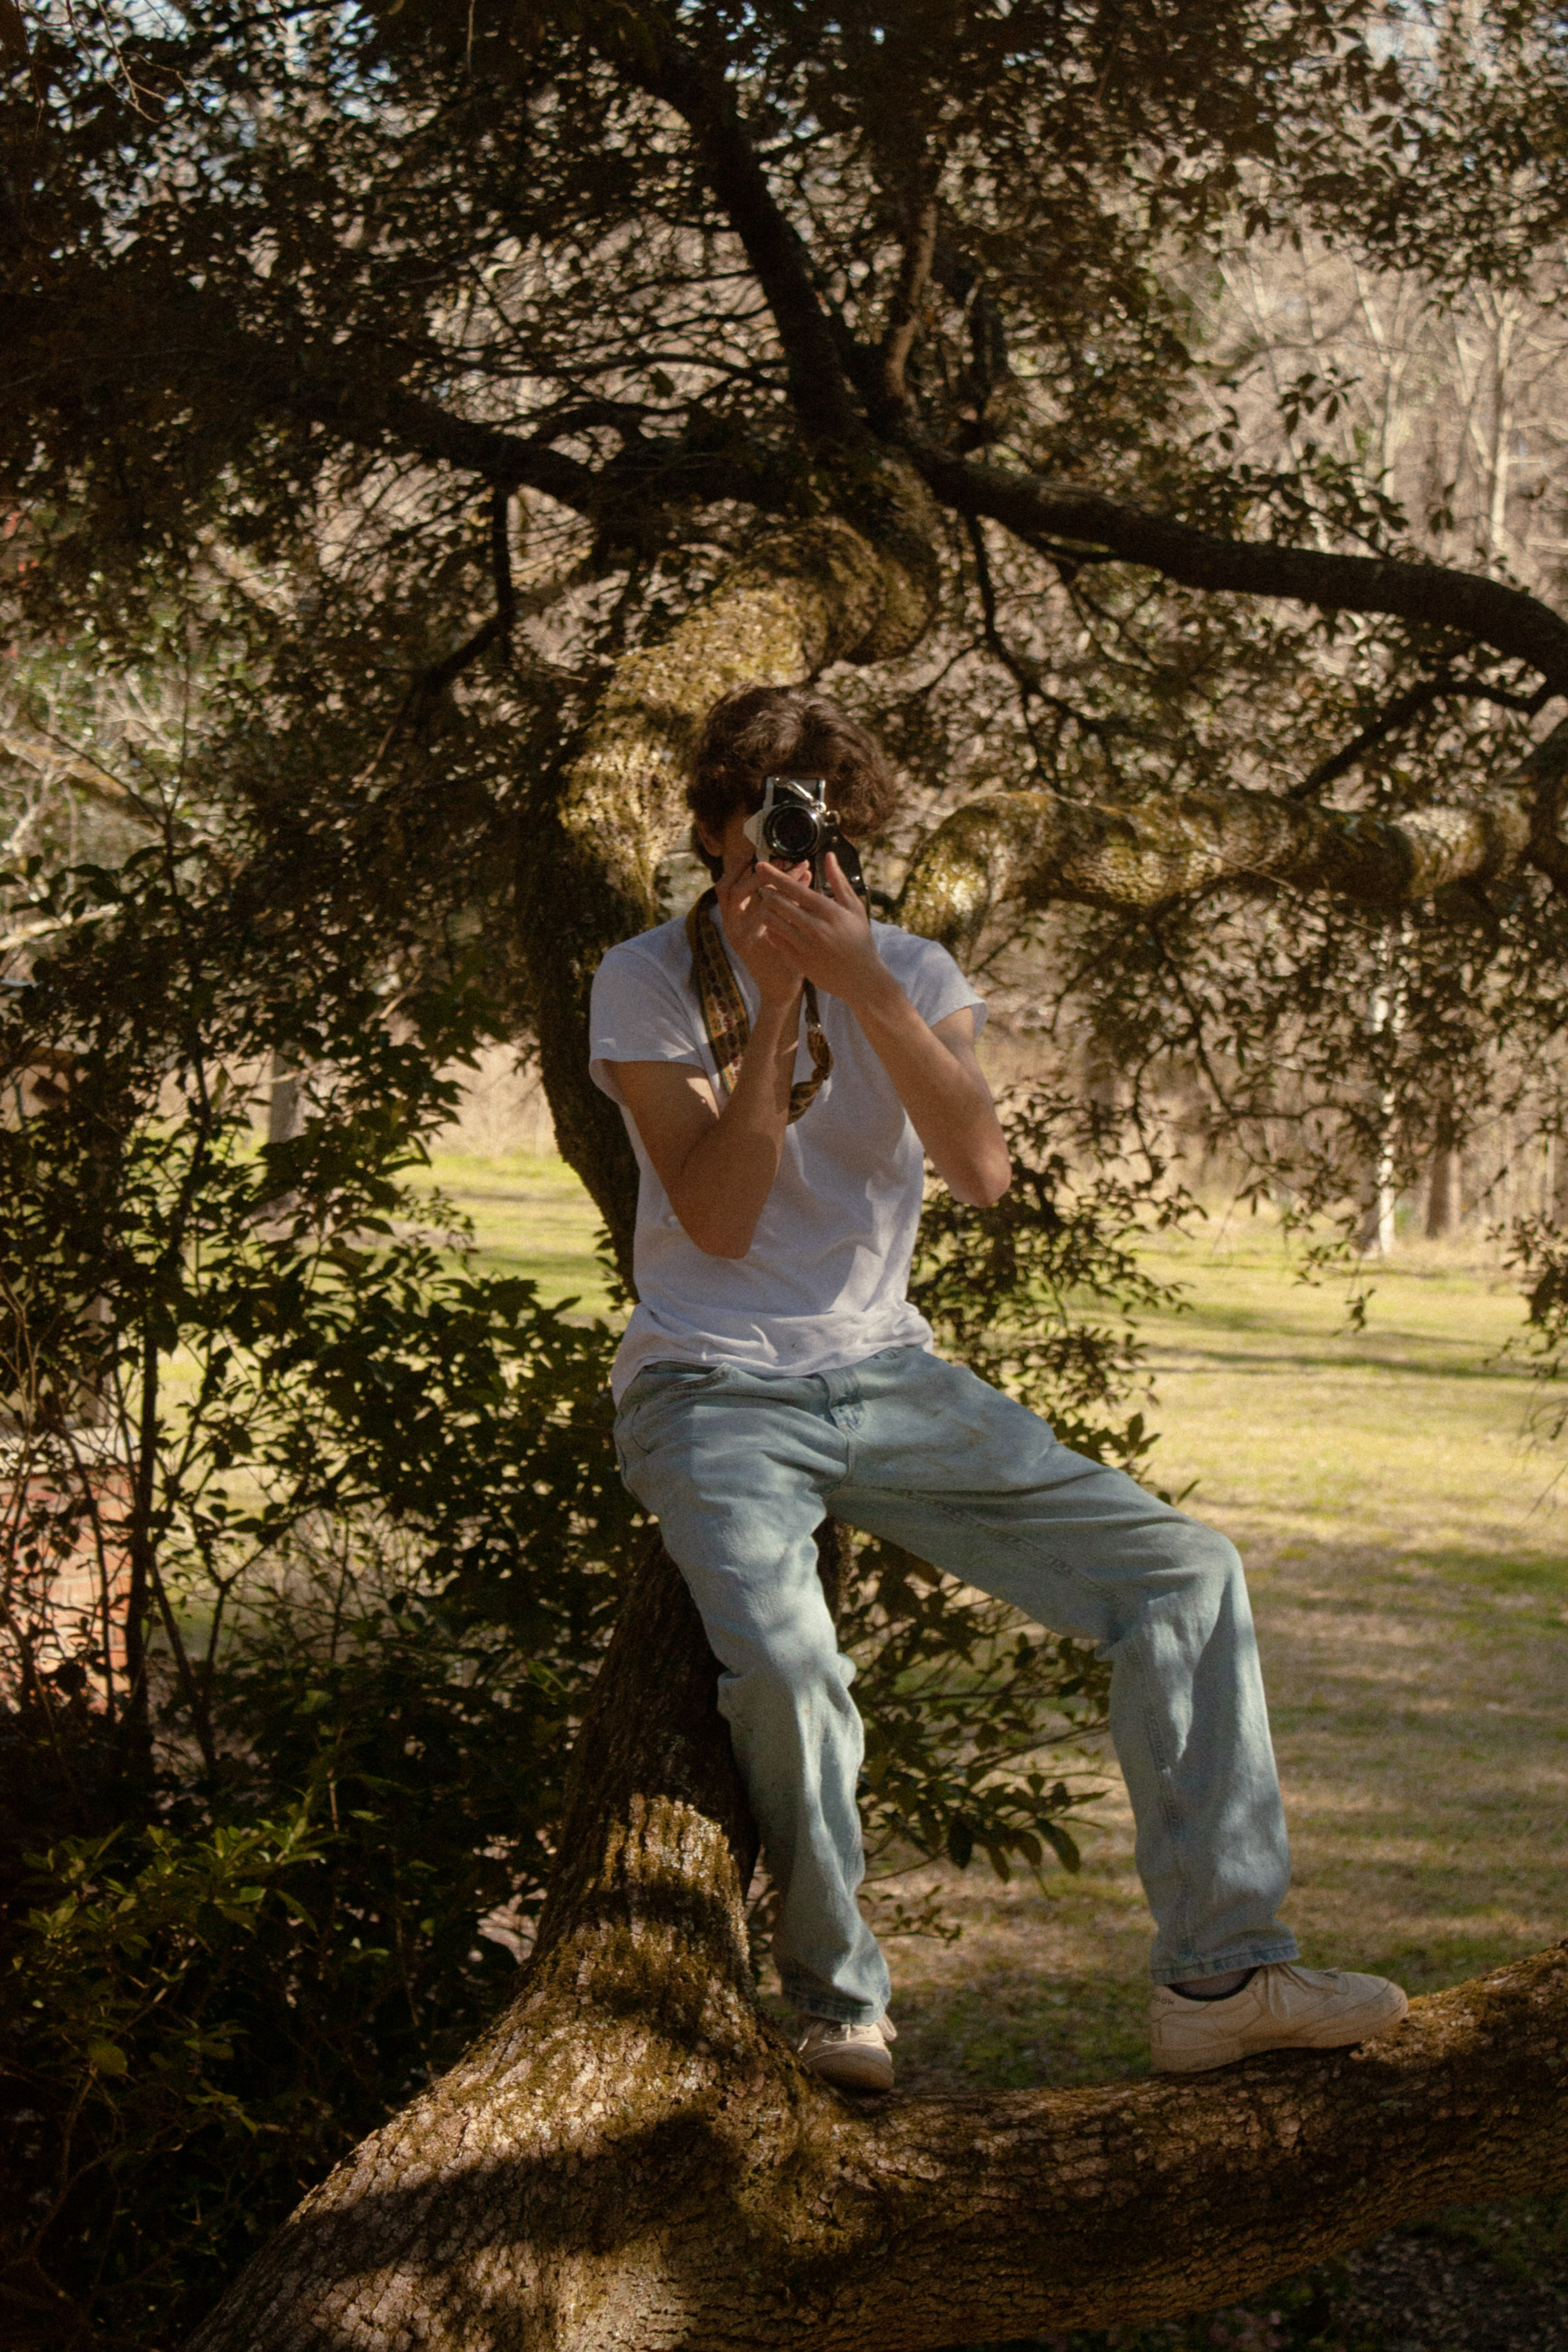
(823, 1282)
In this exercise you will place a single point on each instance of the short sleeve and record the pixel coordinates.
(639, 1012)
(929, 978)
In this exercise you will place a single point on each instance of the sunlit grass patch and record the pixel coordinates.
(531, 1216)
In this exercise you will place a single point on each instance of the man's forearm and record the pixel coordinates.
(729, 1172)
(949, 1103)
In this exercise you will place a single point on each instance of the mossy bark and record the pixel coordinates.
(1013, 854)
(1008, 855)
(632, 2158)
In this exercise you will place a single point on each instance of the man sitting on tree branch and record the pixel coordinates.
(775, 1375)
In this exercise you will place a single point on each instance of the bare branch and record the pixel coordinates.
(904, 310)
(55, 760)
(22, 935)
(1399, 713)
(649, 55)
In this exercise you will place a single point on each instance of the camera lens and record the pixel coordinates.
(791, 833)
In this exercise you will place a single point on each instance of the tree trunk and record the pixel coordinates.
(1443, 1177)
(282, 1102)
(631, 2157)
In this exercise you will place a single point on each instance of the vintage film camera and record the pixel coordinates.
(795, 826)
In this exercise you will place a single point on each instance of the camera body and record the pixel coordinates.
(795, 826)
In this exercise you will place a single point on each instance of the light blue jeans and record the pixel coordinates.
(741, 1469)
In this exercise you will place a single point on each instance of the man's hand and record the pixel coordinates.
(934, 1072)
(765, 950)
(717, 1163)
(829, 939)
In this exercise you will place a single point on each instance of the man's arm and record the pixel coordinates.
(717, 1166)
(937, 1075)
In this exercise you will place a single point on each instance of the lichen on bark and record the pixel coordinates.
(1006, 854)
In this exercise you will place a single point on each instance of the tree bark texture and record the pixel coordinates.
(823, 593)
(1015, 853)
(631, 2158)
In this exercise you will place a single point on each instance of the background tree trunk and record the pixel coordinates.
(1442, 1201)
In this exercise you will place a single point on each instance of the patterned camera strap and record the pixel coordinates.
(724, 1010)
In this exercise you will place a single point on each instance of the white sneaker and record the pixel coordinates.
(850, 2057)
(1282, 2007)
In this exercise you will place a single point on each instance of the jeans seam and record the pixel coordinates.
(1168, 1811)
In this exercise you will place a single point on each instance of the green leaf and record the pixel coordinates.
(1066, 1849)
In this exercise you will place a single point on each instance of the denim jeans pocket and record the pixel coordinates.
(657, 1390)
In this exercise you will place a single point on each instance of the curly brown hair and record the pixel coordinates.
(769, 730)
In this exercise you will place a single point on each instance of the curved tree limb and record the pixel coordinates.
(632, 2158)
(1015, 853)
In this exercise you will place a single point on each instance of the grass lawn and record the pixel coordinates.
(1409, 1570)
(531, 1217)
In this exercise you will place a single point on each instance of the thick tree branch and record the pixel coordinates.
(1011, 854)
(673, 471)
(350, 394)
(1428, 595)
(630, 2160)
